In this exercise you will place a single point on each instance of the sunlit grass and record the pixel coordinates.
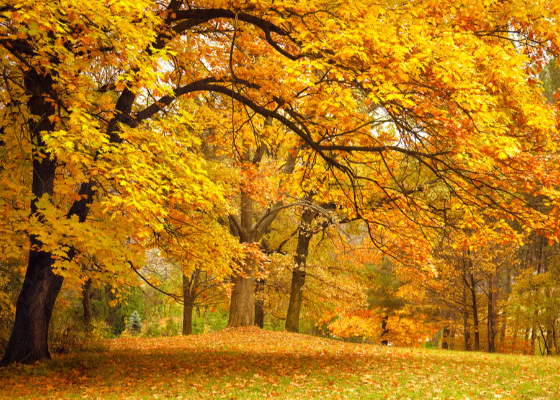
(255, 364)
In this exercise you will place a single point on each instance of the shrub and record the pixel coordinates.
(134, 323)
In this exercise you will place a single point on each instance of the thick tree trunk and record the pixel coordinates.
(298, 274)
(187, 318)
(189, 297)
(296, 300)
(28, 340)
(86, 303)
(242, 308)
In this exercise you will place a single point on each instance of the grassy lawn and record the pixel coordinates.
(254, 364)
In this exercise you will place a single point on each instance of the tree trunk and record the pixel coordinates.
(466, 325)
(187, 318)
(445, 338)
(452, 339)
(28, 340)
(384, 341)
(492, 322)
(242, 308)
(189, 296)
(298, 274)
(475, 315)
(111, 319)
(549, 342)
(296, 300)
(503, 318)
(490, 346)
(86, 303)
(259, 304)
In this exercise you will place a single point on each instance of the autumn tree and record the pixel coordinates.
(90, 91)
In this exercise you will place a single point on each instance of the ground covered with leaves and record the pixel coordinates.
(255, 364)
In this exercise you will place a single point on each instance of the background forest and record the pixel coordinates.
(381, 171)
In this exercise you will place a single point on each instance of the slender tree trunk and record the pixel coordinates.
(259, 304)
(445, 340)
(86, 303)
(533, 338)
(503, 319)
(466, 325)
(452, 339)
(475, 315)
(549, 341)
(492, 322)
(385, 332)
(112, 314)
(555, 337)
(490, 346)
(298, 274)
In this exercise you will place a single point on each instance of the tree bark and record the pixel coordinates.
(111, 319)
(384, 341)
(28, 340)
(492, 322)
(298, 274)
(466, 325)
(189, 296)
(259, 304)
(503, 318)
(86, 303)
(475, 314)
(242, 306)
(445, 339)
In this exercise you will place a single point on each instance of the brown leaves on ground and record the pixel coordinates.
(253, 364)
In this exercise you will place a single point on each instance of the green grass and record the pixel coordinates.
(254, 364)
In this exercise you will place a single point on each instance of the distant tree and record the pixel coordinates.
(134, 322)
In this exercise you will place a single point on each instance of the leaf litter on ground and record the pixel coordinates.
(251, 363)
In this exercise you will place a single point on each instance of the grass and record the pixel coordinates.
(255, 364)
